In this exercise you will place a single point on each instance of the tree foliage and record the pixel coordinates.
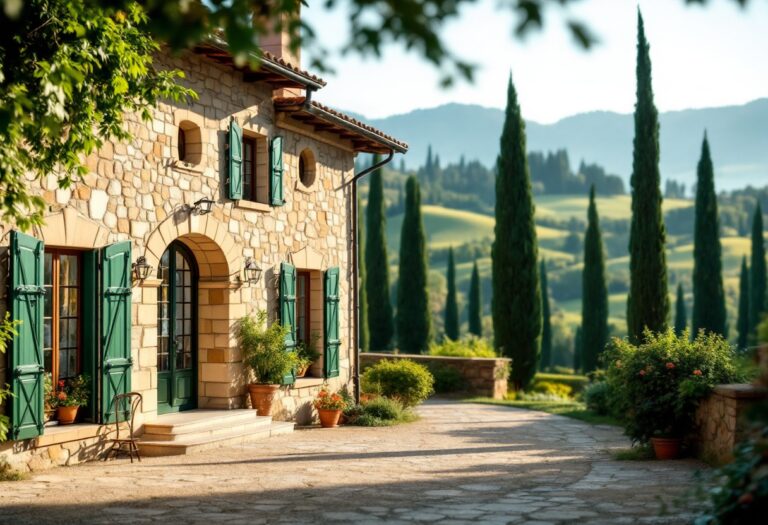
(475, 303)
(594, 302)
(414, 319)
(70, 72)
(708, 295)
(380, 322)
(742, 322)
(516, 301)
(757, 275)
(681, 316)
(648, 302)
(451, 303)
(364, 335)
(546, 326)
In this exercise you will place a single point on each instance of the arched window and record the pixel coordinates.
(307, 168)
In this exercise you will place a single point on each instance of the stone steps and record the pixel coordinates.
(197, 430)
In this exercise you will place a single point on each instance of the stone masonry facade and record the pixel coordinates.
(140, 191)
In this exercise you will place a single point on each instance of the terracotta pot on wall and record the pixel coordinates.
(66, 415)
(329, 418)
(262, 397)
(666, 448)
(301, 372)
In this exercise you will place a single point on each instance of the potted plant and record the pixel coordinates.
(70, 396)
(658, 384)
(266, 356)
(306, 354)
(50, 399)
(329, 406)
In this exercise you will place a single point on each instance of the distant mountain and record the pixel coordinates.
(738, 137)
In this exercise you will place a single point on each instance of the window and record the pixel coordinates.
(307, 168)
(62, 313)
(189, 143)
(302, 307)
(250, 188)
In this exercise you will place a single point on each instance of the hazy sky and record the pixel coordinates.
(702, 56)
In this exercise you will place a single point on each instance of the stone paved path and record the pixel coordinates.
(461, 463)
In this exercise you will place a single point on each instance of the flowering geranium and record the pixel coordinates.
(660, 382)
(72, 392)
(326, 400)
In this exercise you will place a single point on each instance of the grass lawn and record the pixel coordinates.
(572, 409)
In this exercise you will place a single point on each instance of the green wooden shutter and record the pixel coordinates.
(332, 342)
(115, 326)
(235, 161)
(27, 296)
(288, 311)
(277, 197)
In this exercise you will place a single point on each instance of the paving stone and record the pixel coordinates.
(460, 464)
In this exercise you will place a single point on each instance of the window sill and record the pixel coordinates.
(308, 382)
(251, 205)
(187, 167)
(307, 190)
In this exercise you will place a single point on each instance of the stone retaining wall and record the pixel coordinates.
(482, 376)
(719, 420)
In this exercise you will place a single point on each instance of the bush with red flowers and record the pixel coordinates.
(326, 400)
(71, 392)
(658, 384)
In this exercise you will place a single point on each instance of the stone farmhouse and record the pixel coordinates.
(239, 201)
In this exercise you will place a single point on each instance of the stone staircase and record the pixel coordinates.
(196, 430)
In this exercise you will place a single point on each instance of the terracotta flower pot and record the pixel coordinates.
(666, 448)
(329, 418)
(66, 415)
(301, 372)
(262, 397)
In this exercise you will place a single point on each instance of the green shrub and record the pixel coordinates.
(447, 378)
(575, 382)
(469, 346)
(379, 412)
(597, 397)
(402, 379)
(264, 350)
(558, 390)
(658, 384)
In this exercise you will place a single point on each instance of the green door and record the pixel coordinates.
(177, 331)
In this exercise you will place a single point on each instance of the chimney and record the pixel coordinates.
(279, 44)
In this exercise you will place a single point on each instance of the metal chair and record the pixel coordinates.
(132, 401)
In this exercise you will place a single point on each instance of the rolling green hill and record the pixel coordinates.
(448, 227)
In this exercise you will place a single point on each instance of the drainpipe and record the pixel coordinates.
(355, 265)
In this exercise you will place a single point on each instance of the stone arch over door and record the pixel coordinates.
(221, 378)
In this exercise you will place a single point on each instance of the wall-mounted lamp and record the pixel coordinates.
(202, 206)
(252, 271)
(141, 268)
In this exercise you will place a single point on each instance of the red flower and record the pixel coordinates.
(746, 499)
(670, 366)
(61, 383)
(697, 372)
(62, 396)
(641, 372)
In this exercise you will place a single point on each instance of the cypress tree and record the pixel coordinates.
(451, 305)
(594, 295)
(757, 277)
(380, 323)
(681, 317)
(414, 322)
(577, 350)
(516, 302)
(475, 305)
(546, 330)
(742, 323)
(708, 295)
(647, 302)
(362, 329)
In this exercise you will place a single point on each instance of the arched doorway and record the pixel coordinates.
(177, 330)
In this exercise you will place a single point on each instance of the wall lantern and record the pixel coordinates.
(202, 206)
(141, 268)
(252, 271)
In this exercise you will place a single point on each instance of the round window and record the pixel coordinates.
(307, 168)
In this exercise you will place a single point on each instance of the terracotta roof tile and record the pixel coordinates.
(282, 62)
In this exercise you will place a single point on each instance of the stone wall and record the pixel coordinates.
(140, 191)
(485, 377)
(719, 420)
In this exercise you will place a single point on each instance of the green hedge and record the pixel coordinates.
(577, 383)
